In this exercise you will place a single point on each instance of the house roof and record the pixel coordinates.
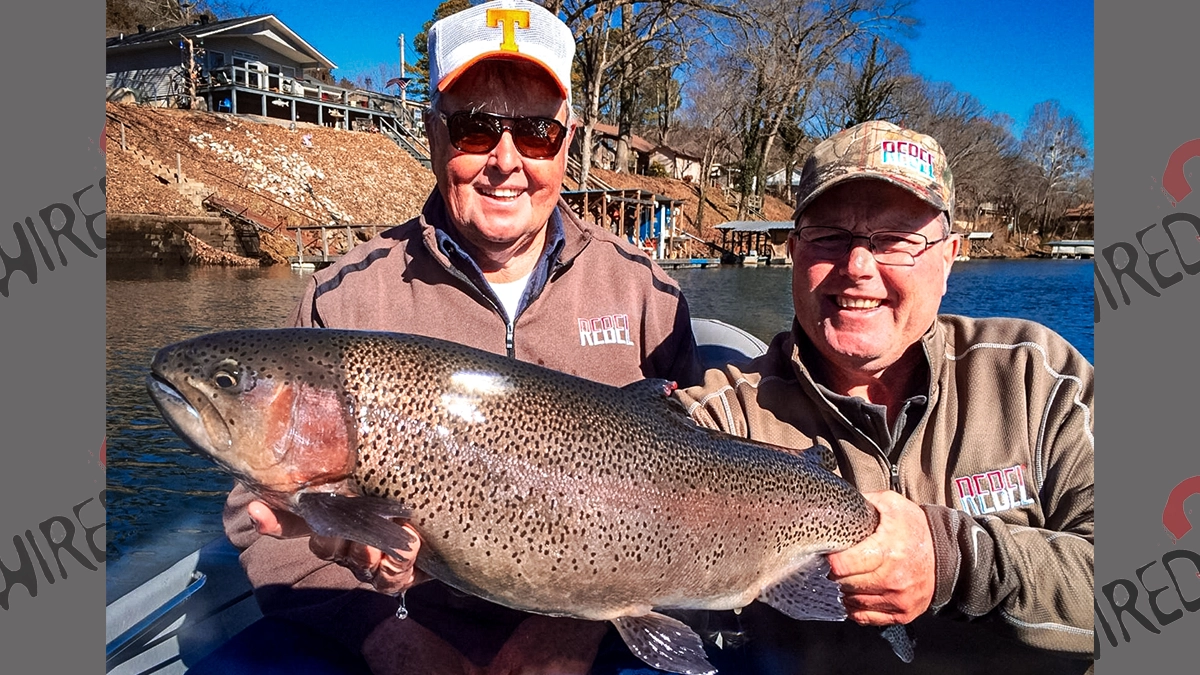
(636, 142)
(1083, 211)
(262, 28)
(777, 178)
(668, 151)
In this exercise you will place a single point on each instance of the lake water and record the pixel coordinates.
(164, 501)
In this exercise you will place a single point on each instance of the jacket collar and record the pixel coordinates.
(566, 237)
(799, 348)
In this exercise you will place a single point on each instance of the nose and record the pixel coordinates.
(860, 262)
(504, 156)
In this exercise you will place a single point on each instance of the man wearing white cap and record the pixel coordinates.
(495, 261)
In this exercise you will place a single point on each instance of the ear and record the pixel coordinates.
(950, 252)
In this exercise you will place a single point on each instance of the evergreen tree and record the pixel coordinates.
(420, 88)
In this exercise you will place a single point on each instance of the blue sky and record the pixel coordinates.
(1011, 54)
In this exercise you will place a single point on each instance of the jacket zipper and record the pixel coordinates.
(929, 400)
(509, 326)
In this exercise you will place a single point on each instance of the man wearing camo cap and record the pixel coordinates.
(973, 437)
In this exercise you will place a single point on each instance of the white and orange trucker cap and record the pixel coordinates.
(506, 29)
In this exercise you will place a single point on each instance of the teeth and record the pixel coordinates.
(858, 303)
(502, 193)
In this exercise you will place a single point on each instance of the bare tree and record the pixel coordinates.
(125, 16)
(1054, 143)
(978, 144)
(786, 48)
(708, 118)
(865, 85)
(611, 34)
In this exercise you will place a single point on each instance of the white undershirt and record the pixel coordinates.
(510, 293)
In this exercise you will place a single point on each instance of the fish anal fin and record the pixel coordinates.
(902, 643)
(366, 520)
(664, 643)
(807, 594)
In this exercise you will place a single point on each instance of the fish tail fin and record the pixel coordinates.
(902, 643)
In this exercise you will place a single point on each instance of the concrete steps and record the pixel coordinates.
(194, 190)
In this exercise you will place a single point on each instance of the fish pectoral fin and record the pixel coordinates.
(664, 643)
(902, 643)
(807, 594)
(366, 520)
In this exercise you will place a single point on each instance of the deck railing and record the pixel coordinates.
(292, 87)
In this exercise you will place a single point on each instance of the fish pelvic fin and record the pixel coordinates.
(902, 643)
(366, 520)
(664, 643)
(807, 594)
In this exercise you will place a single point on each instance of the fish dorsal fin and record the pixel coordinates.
(821, 456)
(664, 643)
(657, 394)
(807, 593)
(366, 520)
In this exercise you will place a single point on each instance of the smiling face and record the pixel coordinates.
(500, 201)
(863, 316)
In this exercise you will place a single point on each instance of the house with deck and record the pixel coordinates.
(250, 65)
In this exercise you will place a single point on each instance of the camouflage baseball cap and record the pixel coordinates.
(883, 151)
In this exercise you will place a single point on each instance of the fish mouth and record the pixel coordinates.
(183, 418)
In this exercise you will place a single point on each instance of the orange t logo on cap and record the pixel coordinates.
(508, 20)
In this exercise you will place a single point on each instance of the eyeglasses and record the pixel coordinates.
(888, 248)
(478, 133)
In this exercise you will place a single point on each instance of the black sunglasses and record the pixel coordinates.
(479, 132)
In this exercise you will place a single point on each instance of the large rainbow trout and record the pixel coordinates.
(530, 488)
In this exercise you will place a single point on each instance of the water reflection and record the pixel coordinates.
(1055, 293)
(165, 500)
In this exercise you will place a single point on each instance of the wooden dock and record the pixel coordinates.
(316, 253)
(682, 263)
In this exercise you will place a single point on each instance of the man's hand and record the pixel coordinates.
(387, 574)
(544, 645)
(888, 577)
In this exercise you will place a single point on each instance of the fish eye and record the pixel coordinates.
(227, 374)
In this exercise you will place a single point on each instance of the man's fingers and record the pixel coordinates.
(873, 618)
(364, 557)
(859, 560)
(863, 585)
(328, 548)
(264, 519)
(276, 523)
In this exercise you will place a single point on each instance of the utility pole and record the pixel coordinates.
(403, 75)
